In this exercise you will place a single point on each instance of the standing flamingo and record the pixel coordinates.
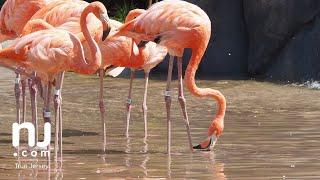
(128, 54)
(14, 15)
(178, 25)
(156, 55)
(52, 51)
(72, 16)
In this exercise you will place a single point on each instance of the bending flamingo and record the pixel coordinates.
(178, 25)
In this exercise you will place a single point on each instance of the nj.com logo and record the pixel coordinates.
(39, 149)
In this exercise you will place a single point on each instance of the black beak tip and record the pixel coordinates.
(105, 34)
(142, 44)
(197, 147)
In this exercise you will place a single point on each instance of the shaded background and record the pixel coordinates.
(270, 40)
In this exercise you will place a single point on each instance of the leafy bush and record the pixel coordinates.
(121, 11)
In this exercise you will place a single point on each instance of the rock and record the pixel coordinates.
(226, 55)
(281, 38)
(299, 60)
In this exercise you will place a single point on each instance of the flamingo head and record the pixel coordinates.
(215, 130)
(133, 14)
(100, 11)
(106, 25)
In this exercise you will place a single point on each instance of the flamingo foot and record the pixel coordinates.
(207, 145)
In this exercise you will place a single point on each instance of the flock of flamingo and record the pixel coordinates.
(42, 39)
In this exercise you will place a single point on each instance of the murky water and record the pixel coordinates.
(271, 132)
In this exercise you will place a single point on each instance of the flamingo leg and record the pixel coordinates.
(58, 116)
(60, 131)
(167, 98)
(129, 103)
(182, 101)
(102, 109)
(47, 112)
(144, 105)
(40, 87)
(24, 99)
(17, 93)
(33, 97)
(45, 92)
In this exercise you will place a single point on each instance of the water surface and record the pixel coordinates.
(271, 132)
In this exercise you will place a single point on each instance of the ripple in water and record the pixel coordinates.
(309, 84)
(313, 84)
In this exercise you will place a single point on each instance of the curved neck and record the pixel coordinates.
(197, 54)
(95, 60)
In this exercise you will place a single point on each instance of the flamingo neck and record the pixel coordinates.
(197, 54)
(95, 61)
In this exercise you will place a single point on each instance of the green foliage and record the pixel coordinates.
(121, 11)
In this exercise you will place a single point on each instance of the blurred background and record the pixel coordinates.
(274, 40)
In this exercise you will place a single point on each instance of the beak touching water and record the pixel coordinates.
(208, 144)
(106, 26)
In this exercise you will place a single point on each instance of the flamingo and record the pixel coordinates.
(131, 56)
(128, 54)
(52, 51)
(15, 14)
(156, 55)
(178, 25)
(13, 17)
(67, 16)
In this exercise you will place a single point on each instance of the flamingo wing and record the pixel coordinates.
(65, 14)
(155, 54)
(46, 50)
(16, 13)
(116, 50)
(167, 15)
(114, 72)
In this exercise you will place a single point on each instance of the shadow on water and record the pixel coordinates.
(74, 132)
(5, 134)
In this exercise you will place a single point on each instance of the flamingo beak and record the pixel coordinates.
(142, 44)
(208, 144)
(105, 34)
(106, 26)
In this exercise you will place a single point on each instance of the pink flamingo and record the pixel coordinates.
(178, 25)
(73, 13)
(72, 16)
(13, 17)
(15, 14)
(63, 51)
(156, 55)
(128, 54)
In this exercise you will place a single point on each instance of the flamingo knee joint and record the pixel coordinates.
(129, 101)
(17, 80)
(57, 92)
(167, 93)
(46, 114)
